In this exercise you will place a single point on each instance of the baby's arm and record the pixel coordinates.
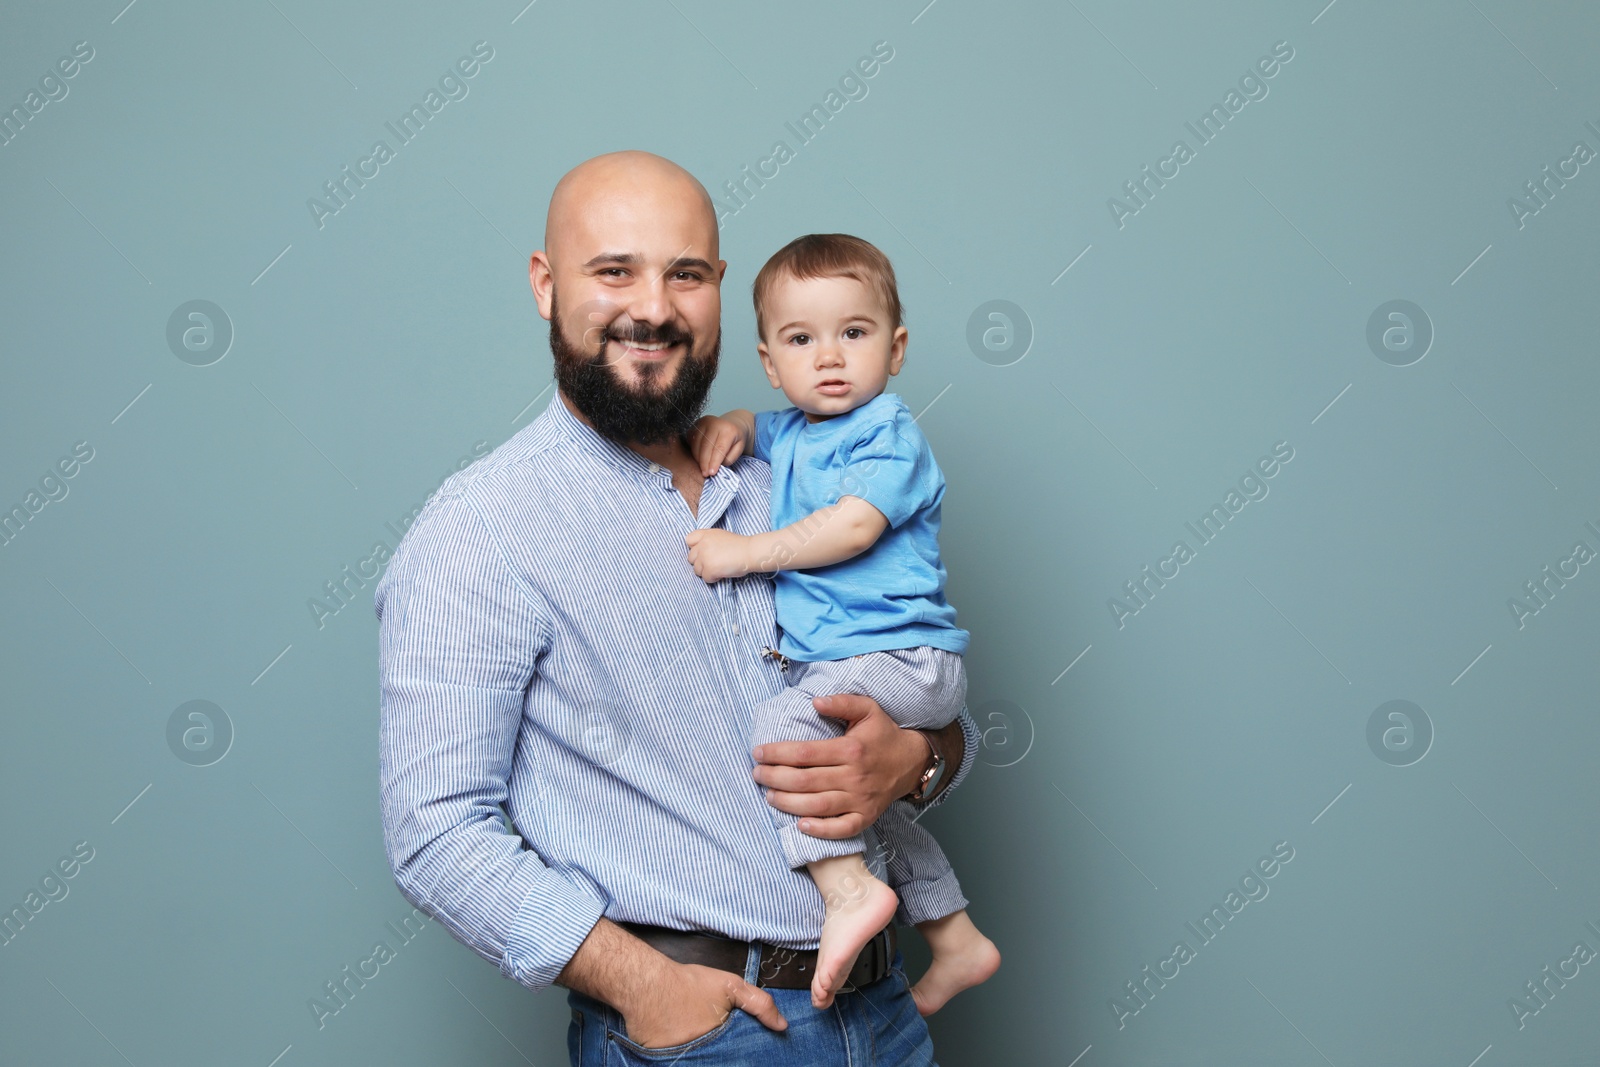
(718, 440)
(828, 535)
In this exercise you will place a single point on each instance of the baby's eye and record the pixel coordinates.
(855, 333)
(800, 339)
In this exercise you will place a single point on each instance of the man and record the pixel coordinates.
(545, 645)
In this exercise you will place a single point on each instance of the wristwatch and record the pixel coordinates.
(932, 774)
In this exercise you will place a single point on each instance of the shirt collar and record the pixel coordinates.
(718, 492)
(603, 448)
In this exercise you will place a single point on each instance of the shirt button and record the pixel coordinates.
(655, 468)
(735, 629)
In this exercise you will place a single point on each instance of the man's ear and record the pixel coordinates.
(766, 365)
(542, 281)
(897, 349)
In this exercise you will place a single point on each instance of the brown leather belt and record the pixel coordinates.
(780, 968)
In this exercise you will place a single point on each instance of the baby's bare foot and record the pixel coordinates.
(849, 926)
(951, 972)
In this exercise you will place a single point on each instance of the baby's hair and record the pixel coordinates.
(828, 255)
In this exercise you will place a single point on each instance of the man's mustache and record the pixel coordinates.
(642, 333)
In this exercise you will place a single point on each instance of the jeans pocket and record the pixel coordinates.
(632, 1052)
(575, 1039)
(905, 982)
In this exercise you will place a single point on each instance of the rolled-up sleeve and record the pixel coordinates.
(459, 639)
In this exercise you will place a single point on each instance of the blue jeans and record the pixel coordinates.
(874, 1025)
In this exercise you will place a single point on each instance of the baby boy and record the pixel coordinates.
(859, 588)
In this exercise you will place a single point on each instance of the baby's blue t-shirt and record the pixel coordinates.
(892, 595)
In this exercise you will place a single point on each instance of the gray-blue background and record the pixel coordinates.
(1120, 798)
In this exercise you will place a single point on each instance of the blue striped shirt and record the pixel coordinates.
(547, 656)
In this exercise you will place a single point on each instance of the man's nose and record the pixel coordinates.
(651, 302)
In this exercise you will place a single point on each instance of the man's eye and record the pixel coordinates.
(686, 275)
(615, 272)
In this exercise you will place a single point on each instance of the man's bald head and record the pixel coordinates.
(631, 247)
(625, 181)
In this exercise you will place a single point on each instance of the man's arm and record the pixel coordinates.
(458, 640)
(840, 786)
(662, 1002)
(459, 636)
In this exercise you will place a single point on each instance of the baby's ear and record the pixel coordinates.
(766, 365)
(897, 349)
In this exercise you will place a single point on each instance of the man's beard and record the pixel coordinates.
(620, 412)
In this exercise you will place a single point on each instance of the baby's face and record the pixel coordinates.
(829, 345)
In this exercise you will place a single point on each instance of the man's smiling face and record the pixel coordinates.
(631, 249)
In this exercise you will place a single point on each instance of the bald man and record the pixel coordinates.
(548, 657)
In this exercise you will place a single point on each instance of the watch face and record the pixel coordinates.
(930, 774)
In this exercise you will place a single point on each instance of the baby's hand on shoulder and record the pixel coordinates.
(716, 442)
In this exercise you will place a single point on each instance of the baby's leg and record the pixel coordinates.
(931, 900)
(858, 906)
(925, 688)
(920, 688)
(962, 957)
(790, 716)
